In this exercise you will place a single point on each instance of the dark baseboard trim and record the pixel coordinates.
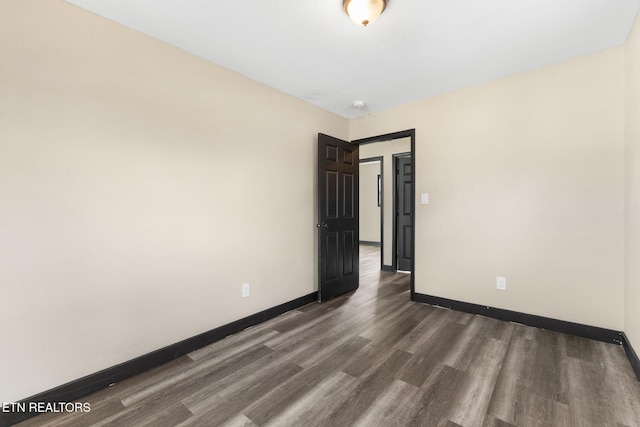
(388, 268)
(577, 329)
(368, 243)
(631, 355)
(79, 388)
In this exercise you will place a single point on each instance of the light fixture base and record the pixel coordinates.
(359, 105)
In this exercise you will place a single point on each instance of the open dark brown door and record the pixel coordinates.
(337, 217)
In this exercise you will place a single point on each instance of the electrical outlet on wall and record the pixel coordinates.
(246, 290)
(501, 283)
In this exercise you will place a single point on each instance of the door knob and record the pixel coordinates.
(323, 226)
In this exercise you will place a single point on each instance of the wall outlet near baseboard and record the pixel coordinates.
(246, 290)
(501, 283)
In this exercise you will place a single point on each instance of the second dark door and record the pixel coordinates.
(404, 211)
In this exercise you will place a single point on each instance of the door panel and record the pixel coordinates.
(348, 245)
(331, 272)
(348, 199)
(332, 194)
(337, 217)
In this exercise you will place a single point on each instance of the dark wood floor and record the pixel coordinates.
(373, 358)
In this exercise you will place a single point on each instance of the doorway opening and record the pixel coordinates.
(371, 200)
(395, 153)
(339, 210)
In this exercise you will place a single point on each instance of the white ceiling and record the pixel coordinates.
(418, 48)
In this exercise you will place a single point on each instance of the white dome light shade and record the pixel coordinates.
(364, 12)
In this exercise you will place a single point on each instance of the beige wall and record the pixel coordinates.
(632, 290)
(525, 176)
(386, 150)
(369, 210)
(140, 187)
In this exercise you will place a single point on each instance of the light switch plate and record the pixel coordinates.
(424, 198)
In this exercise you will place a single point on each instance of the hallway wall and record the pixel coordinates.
(632, 282)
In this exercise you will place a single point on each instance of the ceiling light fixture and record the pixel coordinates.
(364, 12)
